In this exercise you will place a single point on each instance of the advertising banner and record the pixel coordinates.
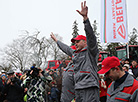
(114, 21)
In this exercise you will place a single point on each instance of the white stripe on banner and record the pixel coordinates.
(113, 21)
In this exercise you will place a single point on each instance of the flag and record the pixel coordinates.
(114, 21)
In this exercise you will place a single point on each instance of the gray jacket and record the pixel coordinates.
(85, 61)
(126, 92)
(68, 91)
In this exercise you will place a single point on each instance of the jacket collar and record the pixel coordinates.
(128, 82)
(134, 67)
(84, 49)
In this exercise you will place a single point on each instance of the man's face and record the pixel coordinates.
(122, 62)
(3, 78)
(11, 75)
(124, 68)
(112, 74)
(80, 44)
(126, 62)
(134, 63)
(51, 72)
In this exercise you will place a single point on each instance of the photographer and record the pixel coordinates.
(13, 89)
(34, 84)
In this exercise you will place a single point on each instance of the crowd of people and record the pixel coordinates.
(80, 80)
(22, 87)
(33, 85)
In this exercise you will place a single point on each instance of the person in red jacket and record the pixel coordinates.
(103, 88)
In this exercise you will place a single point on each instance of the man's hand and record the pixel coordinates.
(9, 81)
(25, 90)
(53, 37)
(40, 72)
(84, 10)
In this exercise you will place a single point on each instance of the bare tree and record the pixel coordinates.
(30, 49)
(133, 37)
(25, 51)
(16, 54)
(5, 66)
(38, 48)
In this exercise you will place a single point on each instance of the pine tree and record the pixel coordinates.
(133, 37)
(75, 30)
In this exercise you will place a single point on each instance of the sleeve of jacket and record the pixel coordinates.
(134, 96)
(65, 48)
(46, 78)
(91, 38)
(18, 87)
(5, 89)
(1, 85)
(26, 82)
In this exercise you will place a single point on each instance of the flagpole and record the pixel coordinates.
(127, 50)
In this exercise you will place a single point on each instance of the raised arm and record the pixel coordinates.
(53, 37)
(84, 10)
(91, 38)
(65, 48)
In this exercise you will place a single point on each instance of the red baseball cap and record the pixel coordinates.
(79, 37)
(108, 63)
(73, 47)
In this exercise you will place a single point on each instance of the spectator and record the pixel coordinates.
(54, 93)
(61, 68)
(63, 64)
(134, 68)
(59, 83)
(123, 61)
(47, 91)
(23, 77)
(13, 89)
(127, 61)
(124, 87)
(68, 85)
(18, 73)
(53, 74)
(2, 85)
(3, 77)
(84, 60)
(34, 84)
(103, 88)
(126, 68)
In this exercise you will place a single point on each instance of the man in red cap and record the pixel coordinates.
(124, 87)
(85, 61)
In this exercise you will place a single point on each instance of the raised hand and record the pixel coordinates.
(53, 37)
(84, 10)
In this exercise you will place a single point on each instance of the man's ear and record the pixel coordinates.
(117, 68)
(85, 42)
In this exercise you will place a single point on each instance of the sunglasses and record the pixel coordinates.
(77, 41)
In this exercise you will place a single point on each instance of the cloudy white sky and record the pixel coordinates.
(51, 16)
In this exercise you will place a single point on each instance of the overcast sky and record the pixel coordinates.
(48, 16)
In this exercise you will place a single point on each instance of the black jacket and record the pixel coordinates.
(14, 93)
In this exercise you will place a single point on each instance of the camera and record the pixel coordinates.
(14, 79)
(35, 72)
